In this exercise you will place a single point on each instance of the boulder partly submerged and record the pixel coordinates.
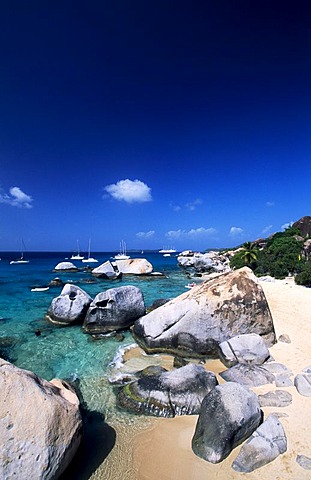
(196, 322)
(106, 270)
(65, 267)
(168, 393)
(134, 266)
(41, 425)
(114, 309)
(69, 307)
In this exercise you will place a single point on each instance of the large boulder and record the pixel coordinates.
(134, 266)
(114, 309)
(247, 349)
(204, 262)
(106, 270)
(304, 225)
(70, 306)
(166, 394)
(40, 425)
(65, 267)
(265, 444)
(229, 415)
(250, 375)
(196, 322)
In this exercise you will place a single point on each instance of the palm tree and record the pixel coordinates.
(249, 254)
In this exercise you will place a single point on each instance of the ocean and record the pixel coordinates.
(67, 352)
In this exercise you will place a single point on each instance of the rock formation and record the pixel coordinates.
(134, 266)
(229, 415)
(106, 270)
(166, 394)
(196, 322)
(70, 306)
(114, 309)
(41, 425)
(248, 349)
(265, 444)
(65, 267)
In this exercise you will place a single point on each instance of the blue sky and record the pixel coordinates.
(163, 123)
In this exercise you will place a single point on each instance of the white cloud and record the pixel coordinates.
(175, 208)
(189, 206)
(270, 204)
(200, 232)
(287, 225)
(129, 191)
(145, 234)
(235, 231)
(267, 229)
(16, 198)
(192, 205)
(193, 233)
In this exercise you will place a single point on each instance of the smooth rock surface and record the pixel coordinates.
(114, 309)
(106, 270)
(196, 322)
(40, 425)
(66, 267)
(134, 266)
(265, 445)
(302, 383)
(70, 306)
(166, 394)
(279, 398)
(250, 375)
(229, 414)
(248, 349)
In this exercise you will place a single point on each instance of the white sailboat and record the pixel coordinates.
(78, 256)
(122, 255)
(89, 259)
(20, 260)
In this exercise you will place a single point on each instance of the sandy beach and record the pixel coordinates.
(163, 451)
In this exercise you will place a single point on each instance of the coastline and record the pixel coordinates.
(163, 450)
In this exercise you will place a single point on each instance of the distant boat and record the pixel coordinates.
(89, 259)
(39, 289)
(21, 259)
(78, 256)
(167, 250)
(122, 255)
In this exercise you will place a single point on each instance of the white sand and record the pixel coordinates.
(163, 452)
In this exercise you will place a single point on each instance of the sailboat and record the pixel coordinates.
(122, 255)
(89, 259)
(78, 256)
(21, 259)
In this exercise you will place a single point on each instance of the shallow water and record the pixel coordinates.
(68, 353)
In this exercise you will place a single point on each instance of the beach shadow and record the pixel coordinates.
(97, 442)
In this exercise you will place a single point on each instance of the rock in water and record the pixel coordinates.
(229, 415)
(134, 266)
(114, 309)
(70, 306)
(40, 425)
(265, 444)
(65, 267)
(196, 322)
(166, 394)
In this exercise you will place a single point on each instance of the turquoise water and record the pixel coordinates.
(66, 352)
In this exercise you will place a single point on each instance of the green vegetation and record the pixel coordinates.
(279, 256)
